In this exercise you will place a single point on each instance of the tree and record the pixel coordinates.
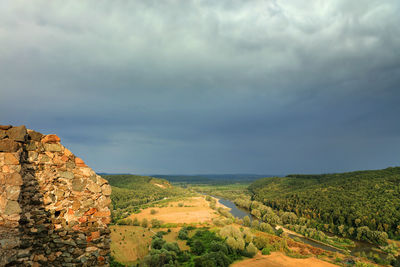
(155, 223)
(260, 241)
(171, 247)
(266, 227)
(236, 244)
(248, 237)
(218, 246)
(256, 213)
(246, 221)
(198, 247)
(251, 250)
(145, 223)
(254, 224)
(157, 243)
(341, 229)
(183, 234)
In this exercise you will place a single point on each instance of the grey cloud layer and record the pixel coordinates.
(207, 86)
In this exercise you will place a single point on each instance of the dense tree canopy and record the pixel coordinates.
(340, 202)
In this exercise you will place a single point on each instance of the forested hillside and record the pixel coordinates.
(133, 190)
(345, 203)
(212, 178)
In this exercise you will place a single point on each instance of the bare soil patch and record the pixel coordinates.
(160, 185)
(278, 259)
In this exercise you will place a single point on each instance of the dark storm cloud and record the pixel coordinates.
(207, 86)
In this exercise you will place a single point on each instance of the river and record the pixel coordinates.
(360, 246)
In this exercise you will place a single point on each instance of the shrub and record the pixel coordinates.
(136, 222)
(156, 223)
(145, 223)
(266, 251)
(251, 250)
(260, 242)
(246, 221)
(183, 234)
(159, 234)
(153, 211)
(157, 243)
(266, 227)
(114, 263)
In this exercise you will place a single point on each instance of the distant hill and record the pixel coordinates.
(135, 181)
(211, 178)
(107, 173)
(353, 199)
(134, 190)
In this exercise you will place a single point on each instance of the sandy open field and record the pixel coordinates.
(195, 210)
(278, 259)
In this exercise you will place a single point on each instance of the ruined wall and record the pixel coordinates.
(54, 209)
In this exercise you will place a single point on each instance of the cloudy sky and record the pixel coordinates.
(268, 87)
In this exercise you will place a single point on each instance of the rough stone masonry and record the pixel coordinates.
(54, 209)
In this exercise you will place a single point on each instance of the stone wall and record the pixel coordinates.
(54, 209)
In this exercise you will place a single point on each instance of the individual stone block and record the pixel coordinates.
(53, 147)
(32, 156)
(8, 145)
(3, 202)
(79, 162)
(10, 159)
(78, 184)
(5, 127)
(67, 175)
(51, 138)
(14, 179)
(12, 207)
(35, 136)
(17, 133)
(95, 188)
(31, 146)
(106, 189)
(12, 192)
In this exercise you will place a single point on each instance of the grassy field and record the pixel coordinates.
(192, 210)
(173, 237)
(128, 243)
